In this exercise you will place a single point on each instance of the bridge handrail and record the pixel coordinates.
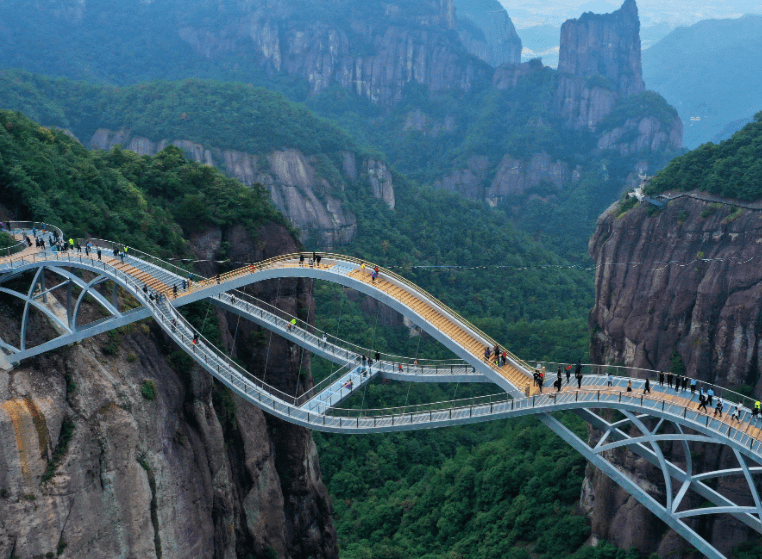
(325, 383)
(334, 340)
(24, 226)
(730, 396)
(274, 261)
(137, 287)
(132, 251)
(290, 257)
(466, 403)
(288, 398)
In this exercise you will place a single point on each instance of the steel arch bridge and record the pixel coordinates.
(646, 421)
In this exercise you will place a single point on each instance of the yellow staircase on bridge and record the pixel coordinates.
(450, 328)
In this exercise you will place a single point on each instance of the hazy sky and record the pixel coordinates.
(526, 13)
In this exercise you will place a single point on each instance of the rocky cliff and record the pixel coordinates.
(186, 471)
(679, 284)
(487, 32)
(598, 90)
(313, 201)
(606, 45)
(374, 50)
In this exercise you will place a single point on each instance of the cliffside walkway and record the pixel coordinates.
(642, 422)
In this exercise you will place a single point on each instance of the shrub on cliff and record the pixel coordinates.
(732, 169)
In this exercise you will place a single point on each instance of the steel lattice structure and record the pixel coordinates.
(642, 424)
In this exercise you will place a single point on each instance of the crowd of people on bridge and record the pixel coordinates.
(667, 381)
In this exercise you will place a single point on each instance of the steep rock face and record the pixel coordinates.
(487, 32)
(706, 310)
(606, 45)
(468, 181)
(375, 54)
(312, 203)
(511, 177)
(581, 104)
(598, 89)
(682, 282)
(421, 122)
(177, 476)
(508, 75)
(515, 176)
(643, 134)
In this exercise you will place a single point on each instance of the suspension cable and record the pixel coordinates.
(301, 355)
(267, 359)
(338, 325)
(235, 335)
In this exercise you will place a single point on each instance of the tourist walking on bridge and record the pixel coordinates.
(661, 378)
(301, 259)
(709, 396)
(735, 412)
(718, 408)
(669, 379)
(578, 376)
(568, 374)
(702, 403)
(647, 387)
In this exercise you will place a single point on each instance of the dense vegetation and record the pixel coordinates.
(223, 115)
(482, 492)
(732, 169)
(151, 203)
(489, 123)
(121, 195)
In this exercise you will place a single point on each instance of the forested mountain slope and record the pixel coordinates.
(101, 466)
(526, 138)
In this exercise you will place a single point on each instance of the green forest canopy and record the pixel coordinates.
(151, 203)
(732, 169)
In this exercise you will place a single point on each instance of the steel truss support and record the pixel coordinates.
(36, 297)
(646, 446)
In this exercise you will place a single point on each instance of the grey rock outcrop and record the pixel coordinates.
(421, 122)
(606, 45)
(181, 475)
(297, 189)
(582, 104)
(487, 32)
(512, 176)
(643, 134)
(680, 282)
(374, 53)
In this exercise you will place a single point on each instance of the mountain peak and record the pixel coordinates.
(607, 45)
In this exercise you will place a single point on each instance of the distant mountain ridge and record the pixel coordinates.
(708, 71)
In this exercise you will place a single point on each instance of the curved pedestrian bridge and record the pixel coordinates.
(642, 420)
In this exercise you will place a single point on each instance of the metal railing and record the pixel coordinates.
(357, 350)
(728, 395)
(25, 228)
(293, 259)
(594, 391)
(600, 375)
